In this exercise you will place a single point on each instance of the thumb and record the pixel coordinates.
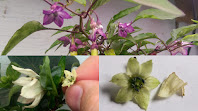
(83, 96)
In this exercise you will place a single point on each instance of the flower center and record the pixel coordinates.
(137, 83)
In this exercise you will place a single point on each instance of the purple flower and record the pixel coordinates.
(124, 28)
(97, 30)
(56, 14)
(180, 47)
(66, 40)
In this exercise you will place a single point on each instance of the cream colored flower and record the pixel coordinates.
(70, 78)
(31, 91)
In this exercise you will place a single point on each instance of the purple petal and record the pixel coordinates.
(129, 29)
(64, 15)
(58, 21)
(48, 19)
(122, 33)
(65, 40)
(100, 31)
(73, 48)
(184, 51)
(47, 12)
(78, 41)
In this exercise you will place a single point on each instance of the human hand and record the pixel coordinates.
(84, 94)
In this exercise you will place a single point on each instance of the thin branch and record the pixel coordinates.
(164, 45)
(48, 2)
(61, 30)
(90, 8)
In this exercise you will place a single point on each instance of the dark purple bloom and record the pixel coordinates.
(124, 28)
(66, 40)
(56, 14)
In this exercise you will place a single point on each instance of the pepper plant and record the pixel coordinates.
(89, 37)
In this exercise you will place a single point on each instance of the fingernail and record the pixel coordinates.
(75, 98)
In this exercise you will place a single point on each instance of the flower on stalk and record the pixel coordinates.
(31, 91)
(136, 83)
(56, 14)
(180, 47)
(124, 28)
(97, 30)
(70, 78)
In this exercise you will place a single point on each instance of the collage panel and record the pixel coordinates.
(49, 83)
(137, 83)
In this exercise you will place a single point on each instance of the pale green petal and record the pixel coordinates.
(171, 85)
(24, 100)
(132, 66)
(32, 89)
(22, 81)
(125, 94)
(28, 72)
(142, 98)
(120, 79)
(146, 68)
(36, 101)
(151, 83)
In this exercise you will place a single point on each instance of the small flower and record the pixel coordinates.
(180, 47)
(73, 47)
(70, 78)
(97, 30)
(31, 92)
(124, 28)
(65, 39)
(136, 83)
(56, 15)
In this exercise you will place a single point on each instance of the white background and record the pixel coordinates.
(184, 67)
(15, 13)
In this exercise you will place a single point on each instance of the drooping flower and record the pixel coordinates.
(56, 14)
(97, 30)
(124, 29)
(31, 91)
(70, 78)
(180, 47)
(136, 83)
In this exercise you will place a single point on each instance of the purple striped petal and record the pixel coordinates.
(64, 15)
(48, 19)
(58, 21)
(47, 12)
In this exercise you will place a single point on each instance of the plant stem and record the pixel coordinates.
(48, 2)
(81, 27)
(61, 30)
(90, 8)
(164, 45)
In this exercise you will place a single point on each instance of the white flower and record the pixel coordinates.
(31, 92)
(70, 78)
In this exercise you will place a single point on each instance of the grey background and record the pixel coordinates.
(184, 67)
(15, 13)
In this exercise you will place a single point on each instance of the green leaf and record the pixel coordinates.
(142, 98)
(26, 30)
(64, 28)
(125, 94)
(57, 42)
(163, 5)
(151, 83)
(154, 14)
(180, 32)
(46, 78)
(146, 68)
(132, 66)
(111, 30)
(33, 62)
(190, 38)
(77, 11)
(124, 13)
(56, 75)
(99, 3)
(83, 2)
(71, 61)
(6, 95)
(144, 36)
(121, 80)
(109, 52)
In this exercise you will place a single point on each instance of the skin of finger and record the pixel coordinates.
(90, 96)
(89, 69)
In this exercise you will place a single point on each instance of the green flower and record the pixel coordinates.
(136, 83)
